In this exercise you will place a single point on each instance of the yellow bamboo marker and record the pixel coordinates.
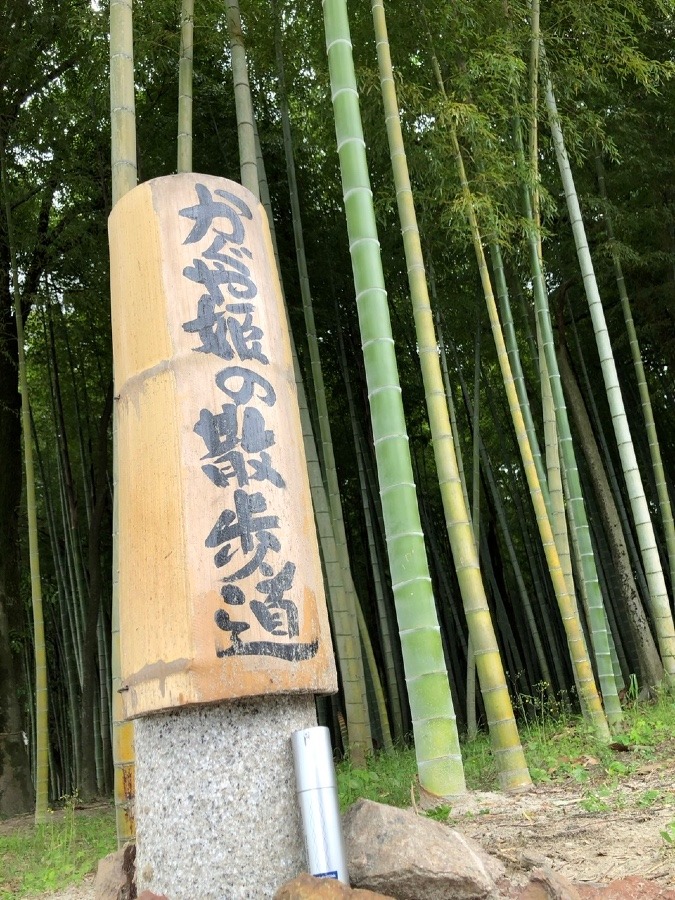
(203, 617)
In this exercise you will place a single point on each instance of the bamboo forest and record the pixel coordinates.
(472, 209)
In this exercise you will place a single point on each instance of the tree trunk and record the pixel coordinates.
(632, 611)
(660, 602)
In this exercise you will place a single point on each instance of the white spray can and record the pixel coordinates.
(319, 807)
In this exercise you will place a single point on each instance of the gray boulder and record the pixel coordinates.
(411, 857)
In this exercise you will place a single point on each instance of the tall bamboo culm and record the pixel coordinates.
(124, 178)
(562, 453)
(359, 739)
(660, 603)
(242, 100)
(434, 722)
(506, 744)
(566, 600)
(645, 400)
(185, 66)
(41, 766)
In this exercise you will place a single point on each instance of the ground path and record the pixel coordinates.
(588, 830)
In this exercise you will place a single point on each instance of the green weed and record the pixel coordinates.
(668, 834)
(596, 802)
(649, 798)
(439, 813)
(542, 713)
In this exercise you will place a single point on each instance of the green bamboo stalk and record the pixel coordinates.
(471, 724)
(343, 614)
(328, 455)
(651, 670)
(124, 178)
(41, 776)
(566, 600)
(448, 393)
(341, 602)
(122, 100)
(84, 460)
(105, 678)
(434, 721)
(463, 538)
(98, 742)
(185, 66)
(660, 603)
(575, 507)
(66, 633)
(70, 595)
(535, 41)
(598, 430)
(554, 473)
(375, 679)
(508, 540)
(645, 399)
(513, 352)
(242, 99)
(70, 506)
(386, 638)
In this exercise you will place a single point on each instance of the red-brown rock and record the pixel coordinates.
(545, 884)
(305, 887)
(115, 875)
(634, 887)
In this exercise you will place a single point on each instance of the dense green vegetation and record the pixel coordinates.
(58, 852)
(550, 549)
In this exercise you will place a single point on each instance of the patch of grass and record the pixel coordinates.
(37, 858)
(566, 747)
(648, 725)
(558, 746)
(479, 765)
(386, 778)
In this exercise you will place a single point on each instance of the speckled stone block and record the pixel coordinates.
(216, 808)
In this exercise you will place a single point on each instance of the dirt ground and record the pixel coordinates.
(589, 831)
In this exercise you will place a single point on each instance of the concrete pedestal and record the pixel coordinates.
(216, 808)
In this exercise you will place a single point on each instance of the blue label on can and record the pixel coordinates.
(326, 875)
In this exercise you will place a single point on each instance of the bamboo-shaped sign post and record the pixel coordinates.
(224, 632)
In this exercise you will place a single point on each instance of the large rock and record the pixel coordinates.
(305, 887)
(411, 857)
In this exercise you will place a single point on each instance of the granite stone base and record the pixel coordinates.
(216, 808)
